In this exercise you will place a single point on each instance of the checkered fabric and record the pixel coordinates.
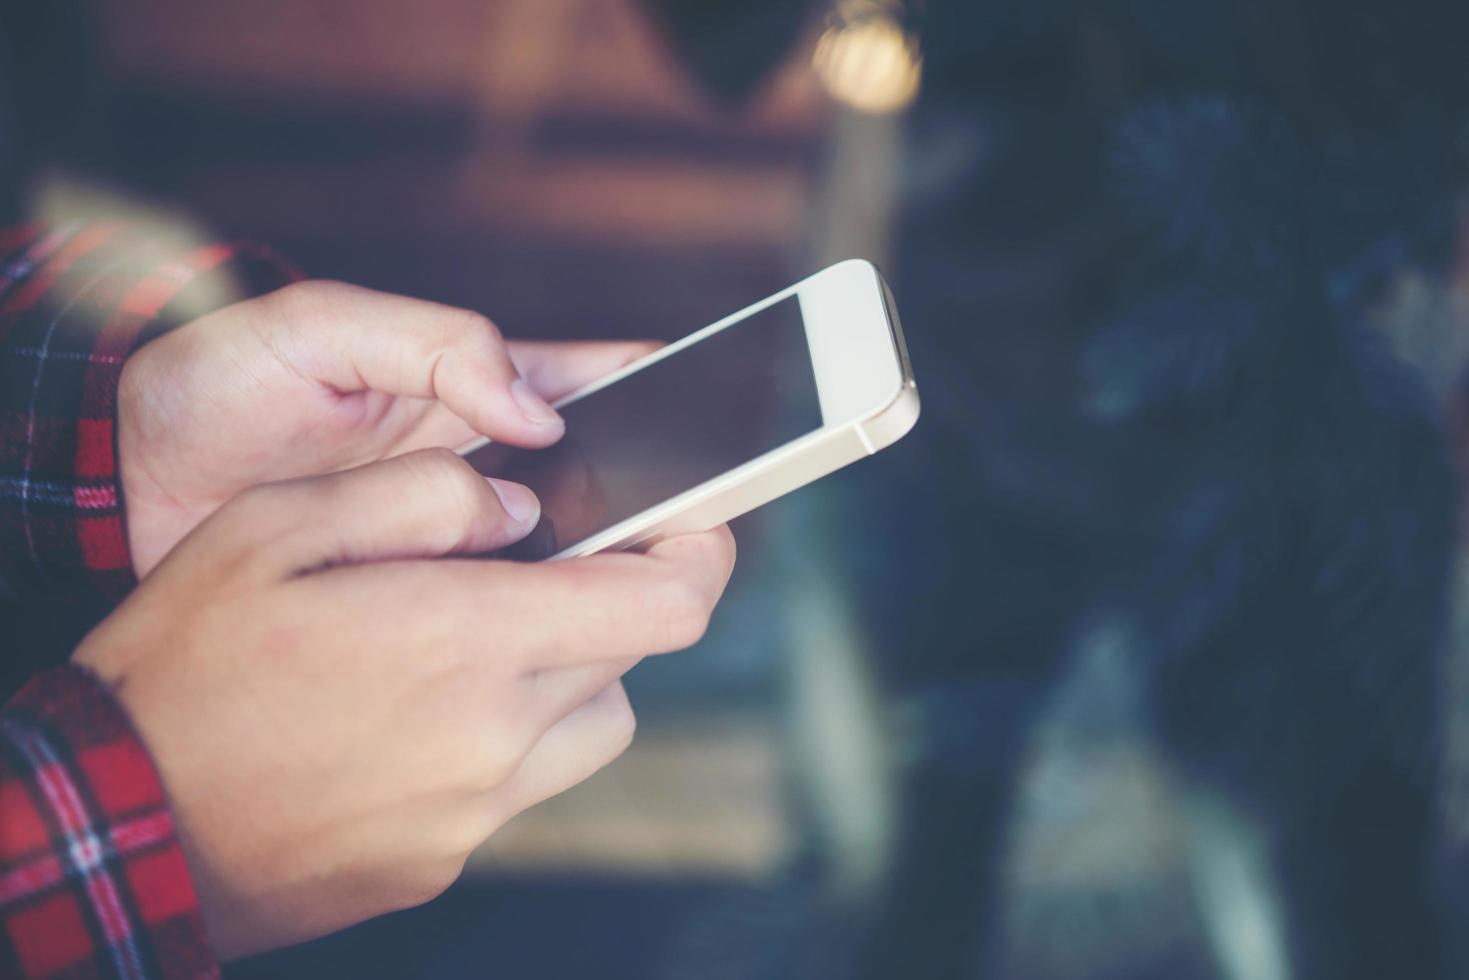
(74, 302)
(92, 880)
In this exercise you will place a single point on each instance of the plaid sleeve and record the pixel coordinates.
(93, 882)
(74, 302)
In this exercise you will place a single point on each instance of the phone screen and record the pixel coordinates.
(677, 423)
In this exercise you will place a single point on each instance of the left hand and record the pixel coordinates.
(319, 377)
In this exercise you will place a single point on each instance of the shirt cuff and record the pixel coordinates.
(93, 881)
(74, 303)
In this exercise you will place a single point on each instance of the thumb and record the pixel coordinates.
(426, 504)
(353, 339)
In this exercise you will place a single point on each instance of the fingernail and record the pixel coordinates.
(532, 405)
(518, 501)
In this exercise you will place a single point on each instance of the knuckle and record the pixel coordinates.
(681, 612)
(478, 330)
(710, 551)
(716, 548)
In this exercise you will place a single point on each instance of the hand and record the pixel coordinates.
(339, 720)
(318, 377)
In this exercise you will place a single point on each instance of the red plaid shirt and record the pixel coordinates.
(92, 880)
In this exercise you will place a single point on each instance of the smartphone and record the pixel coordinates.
(726, 419)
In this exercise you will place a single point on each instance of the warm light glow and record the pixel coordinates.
(871, 65)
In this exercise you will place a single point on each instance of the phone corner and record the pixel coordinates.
(851, 271)
(893, 422)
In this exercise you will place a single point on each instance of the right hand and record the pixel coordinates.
(339, 720)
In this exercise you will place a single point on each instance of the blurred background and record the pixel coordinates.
(1140, 658)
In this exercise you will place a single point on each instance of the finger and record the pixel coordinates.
(657, 602)
(574, 749)
(555, 369)
(552, 369)
(421, 505)
(606, 607)
(553, 614)
(352, 339)
(621, 605)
